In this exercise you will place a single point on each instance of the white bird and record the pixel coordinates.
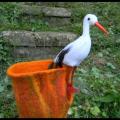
(75, 52)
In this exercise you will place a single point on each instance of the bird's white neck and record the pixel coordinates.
(86, 28)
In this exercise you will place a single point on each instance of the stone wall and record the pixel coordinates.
(37, 45)
(53, 16)
(40, 45)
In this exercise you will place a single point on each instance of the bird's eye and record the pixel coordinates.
(88, 18)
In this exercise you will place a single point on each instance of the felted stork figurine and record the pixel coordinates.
(75, 52)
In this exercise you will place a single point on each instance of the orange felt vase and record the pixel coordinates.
(39, 92)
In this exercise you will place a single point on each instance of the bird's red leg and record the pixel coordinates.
(69, 78)
(73, 71)
(69, 75)
(76, 90)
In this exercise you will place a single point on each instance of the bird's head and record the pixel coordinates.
(92, 20)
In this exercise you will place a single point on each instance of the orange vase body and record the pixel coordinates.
(39, 92)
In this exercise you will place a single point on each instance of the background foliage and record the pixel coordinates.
(98, 77)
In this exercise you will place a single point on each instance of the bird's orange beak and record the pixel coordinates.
(101, 28)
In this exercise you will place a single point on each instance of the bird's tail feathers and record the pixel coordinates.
(52, 65)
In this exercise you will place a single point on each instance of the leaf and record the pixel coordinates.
(76, 114)
(96, 72)
(108, 98)
(85, 91)
(117, 114)
(111, 65)
(1, 115)
(6, 80)
(95, 110)
(83, 71)
(100, 54)
(70, 111)
(1, 88)
(109, 75)
(104, 114)
(9, 95)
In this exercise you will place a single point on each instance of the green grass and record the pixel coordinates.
(99, 85)
(98, 76)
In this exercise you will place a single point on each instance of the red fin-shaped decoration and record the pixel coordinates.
(72, 89)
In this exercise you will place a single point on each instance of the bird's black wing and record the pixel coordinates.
(60, 57)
